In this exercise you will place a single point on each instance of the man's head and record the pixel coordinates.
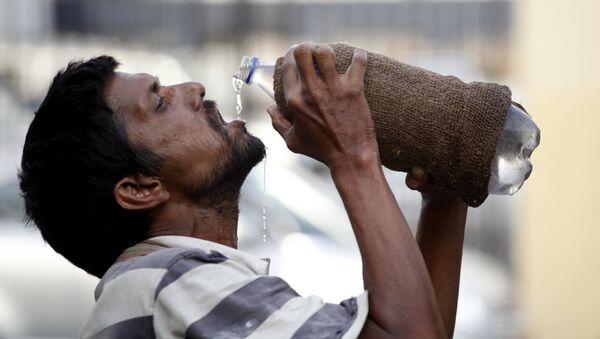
(107, 149)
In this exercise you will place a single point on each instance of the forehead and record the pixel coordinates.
(126, 92)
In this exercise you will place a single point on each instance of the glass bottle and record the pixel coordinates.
(511, 165)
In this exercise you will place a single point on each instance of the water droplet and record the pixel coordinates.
(264, 205)
(237, 89)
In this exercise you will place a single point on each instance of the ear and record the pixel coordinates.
(140, 192)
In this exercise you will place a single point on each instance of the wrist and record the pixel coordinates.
(361, 163)
(445, 201)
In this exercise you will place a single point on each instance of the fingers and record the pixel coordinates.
(289, 72)
(303, 54)
(356, 71)
(417, 178)
(280, 122)
(325, 57)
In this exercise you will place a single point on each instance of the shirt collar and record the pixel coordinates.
(258, 266)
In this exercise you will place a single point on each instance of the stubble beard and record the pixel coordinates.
(222, 191)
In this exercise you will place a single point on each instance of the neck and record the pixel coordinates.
(216, 222)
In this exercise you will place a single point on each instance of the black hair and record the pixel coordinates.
(75, 151)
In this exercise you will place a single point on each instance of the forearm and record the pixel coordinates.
(440, 237)
(332, 123)
(401, 297)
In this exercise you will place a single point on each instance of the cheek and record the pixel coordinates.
(192, 150)
(192, 154)
(175, 139)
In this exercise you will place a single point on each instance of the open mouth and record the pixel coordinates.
(212, 110)
(232, 123)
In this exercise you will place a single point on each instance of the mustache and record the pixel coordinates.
(210, 106)
(214, 121)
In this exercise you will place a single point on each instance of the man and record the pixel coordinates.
(138, 184)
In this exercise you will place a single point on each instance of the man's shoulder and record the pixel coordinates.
(198, 293)
(130, 288)
(166, 259)
(158, 264)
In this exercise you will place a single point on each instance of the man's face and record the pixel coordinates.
(202, 153)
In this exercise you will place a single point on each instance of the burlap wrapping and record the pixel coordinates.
(426, 119)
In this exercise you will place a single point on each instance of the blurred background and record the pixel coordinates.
(531, 266)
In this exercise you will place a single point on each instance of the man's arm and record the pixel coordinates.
(332, 123)
(440, 237)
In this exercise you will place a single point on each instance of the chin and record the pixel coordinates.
(247, 151)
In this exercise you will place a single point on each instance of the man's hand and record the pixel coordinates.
(440, 237)
(418, 179)
(331, 118)
(331, 122)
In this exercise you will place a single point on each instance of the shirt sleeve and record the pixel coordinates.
(227, 300)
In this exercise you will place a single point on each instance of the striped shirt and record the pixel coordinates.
(191, 288)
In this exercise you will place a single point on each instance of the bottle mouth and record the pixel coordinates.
(247, 67)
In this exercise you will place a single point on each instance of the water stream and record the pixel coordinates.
(237, 89)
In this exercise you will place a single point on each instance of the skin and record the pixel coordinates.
(332, 123)
(179, 130)
(440, 235)
(413, 286)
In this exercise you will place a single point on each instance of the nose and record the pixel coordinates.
(194, 94)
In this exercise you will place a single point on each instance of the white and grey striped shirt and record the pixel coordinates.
(192, 288)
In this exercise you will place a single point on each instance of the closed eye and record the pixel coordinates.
(154, 88)
(161, 104)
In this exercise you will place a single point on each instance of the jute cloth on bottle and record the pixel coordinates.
(425, 119)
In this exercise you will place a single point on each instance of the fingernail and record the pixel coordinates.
(361, 51)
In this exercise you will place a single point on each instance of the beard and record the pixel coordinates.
(244, 152)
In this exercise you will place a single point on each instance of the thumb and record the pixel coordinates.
(279, 121)
(417, 178)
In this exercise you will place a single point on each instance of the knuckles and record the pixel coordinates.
(355, 91)
(294, 102)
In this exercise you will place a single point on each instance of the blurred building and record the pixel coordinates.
(558, 260)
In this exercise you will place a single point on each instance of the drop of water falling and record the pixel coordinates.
(237, 88)
(264, 205)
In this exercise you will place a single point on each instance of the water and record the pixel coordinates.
(237, 89)
(264, 205)
(257, 72)
(512, 164)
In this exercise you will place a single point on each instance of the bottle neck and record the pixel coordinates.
(247, 69)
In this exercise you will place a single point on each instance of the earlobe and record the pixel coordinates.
(140, 193)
